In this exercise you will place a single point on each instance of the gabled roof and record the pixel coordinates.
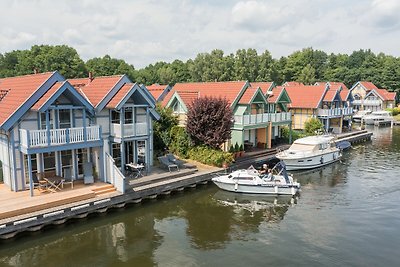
(306, 96)
(22, 93)
(265, 86)
(52, 91)
(345, 94)
(96, 89)
(250, 95)
(368, 86)
(158, 91)
(276, 94)
(383, 94)
(337, 85)
(188, 97)
(330, 95)
(231, 91)
(287, 84)
(122, 92)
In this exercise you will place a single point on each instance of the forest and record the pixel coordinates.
(306, 66)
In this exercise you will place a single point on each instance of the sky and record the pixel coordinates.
(148, 31)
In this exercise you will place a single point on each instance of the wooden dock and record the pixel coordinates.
(355, 136)
(20, 213)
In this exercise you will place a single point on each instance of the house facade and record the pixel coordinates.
(322, 101)
(369, 97)
(255, 119)
(49, 123)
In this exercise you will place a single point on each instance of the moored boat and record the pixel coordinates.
(360, 114)
(310, 152)
(250, 181)
(378, 117)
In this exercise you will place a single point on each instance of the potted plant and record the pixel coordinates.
(241, 150)
(237, 150)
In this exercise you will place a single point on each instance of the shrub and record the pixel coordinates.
(180, 141)
(210, 156)
(163, 126)
(295, 134)
(313, 126)
(237, 147)
(241, 148)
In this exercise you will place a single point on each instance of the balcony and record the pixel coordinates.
(262, 118)
(54, 137)
(368, 102)
(129, 130)
(335, 112)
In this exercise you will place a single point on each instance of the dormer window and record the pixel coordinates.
(3, 93)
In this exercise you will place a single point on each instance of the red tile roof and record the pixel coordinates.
(305, 96)
(248, 95)
(228, 90)
(263, 85)
(156, 89)
(368, 85)
(188, 97)
(276, 92)
(47, 95)
(330, 95)
(97, 88)
(344, 94)
(286, 84)
(117, 98)
(386, 95)
(20, 89)
(336, 85)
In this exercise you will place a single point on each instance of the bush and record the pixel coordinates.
(180, 141)
(210, 156)
(295, 134)
(313, 126)
(395, 111)
(236, 147)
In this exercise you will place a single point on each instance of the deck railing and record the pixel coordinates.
(129, 130)
(334, 112)
(114, 175)
(262, 118)
(42, 138)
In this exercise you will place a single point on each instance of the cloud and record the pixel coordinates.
(385, 13)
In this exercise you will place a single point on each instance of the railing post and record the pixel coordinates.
(84, 126)
(67, 135)
(28, 139)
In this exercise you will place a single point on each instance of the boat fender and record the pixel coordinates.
(236, 186)
(322, 160)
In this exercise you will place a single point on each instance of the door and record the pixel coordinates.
(64, 117)
(82, 157)
(130, 152)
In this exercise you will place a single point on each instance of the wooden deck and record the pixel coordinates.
(14, 204)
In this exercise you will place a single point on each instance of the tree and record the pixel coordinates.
(163, 126)
(313, 126)
(307, 75)
(209, 121)
(107, 66)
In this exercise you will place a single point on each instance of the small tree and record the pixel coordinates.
(180, 141)
(313, 125)
(209, 121)
(163, 126)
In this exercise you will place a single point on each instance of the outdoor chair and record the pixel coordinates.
(171, 158)
(39, 184)
(68, 177)
(88, 173)
(167, 164)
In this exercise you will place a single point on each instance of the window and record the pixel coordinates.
(116, 153)
(49, 160)
(128, 115)
(115, 116)
(33, 164)
(43, 120)
(64, 116)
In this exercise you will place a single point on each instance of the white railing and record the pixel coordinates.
(357, 102)
(132, 129)
(114, 175)
(368, 102)
(262, 118)
(334, 112)
(42, 138)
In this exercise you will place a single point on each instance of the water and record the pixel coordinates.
(347, 215)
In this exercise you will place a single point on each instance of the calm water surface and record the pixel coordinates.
(347, 215)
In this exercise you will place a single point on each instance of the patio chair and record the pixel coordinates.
(88, 173)
(68, 177)
(171, 158)
(167, 164)
(39, 184)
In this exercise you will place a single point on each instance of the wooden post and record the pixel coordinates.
(269, 141)
(30, 174)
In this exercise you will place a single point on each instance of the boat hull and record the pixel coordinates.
(259, 189)
(311, 162)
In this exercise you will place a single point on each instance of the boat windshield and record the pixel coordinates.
(302, 147)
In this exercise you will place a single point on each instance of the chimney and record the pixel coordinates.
(90, 76)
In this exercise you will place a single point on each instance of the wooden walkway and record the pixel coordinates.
(14, 204)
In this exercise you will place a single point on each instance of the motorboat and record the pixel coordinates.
(250, 181)
(378, 117)
(360, 114)
(343, 144)
(310, 152)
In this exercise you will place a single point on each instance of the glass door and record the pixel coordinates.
(34, 167)
(129, 152)
(65, 120)
(141, 151)
(82, 158)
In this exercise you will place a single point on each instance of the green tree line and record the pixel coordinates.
(307, 66)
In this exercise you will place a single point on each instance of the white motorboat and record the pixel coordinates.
(250, 181)
(378, 117)
(310, 152)
(360, 114)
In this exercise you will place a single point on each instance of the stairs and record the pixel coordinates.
(104, 189)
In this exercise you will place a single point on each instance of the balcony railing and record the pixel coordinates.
(129, 130)
(54, 137)
(335, 112)
(262, 118)
(368, 102)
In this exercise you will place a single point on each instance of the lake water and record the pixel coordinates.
(348, 214)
